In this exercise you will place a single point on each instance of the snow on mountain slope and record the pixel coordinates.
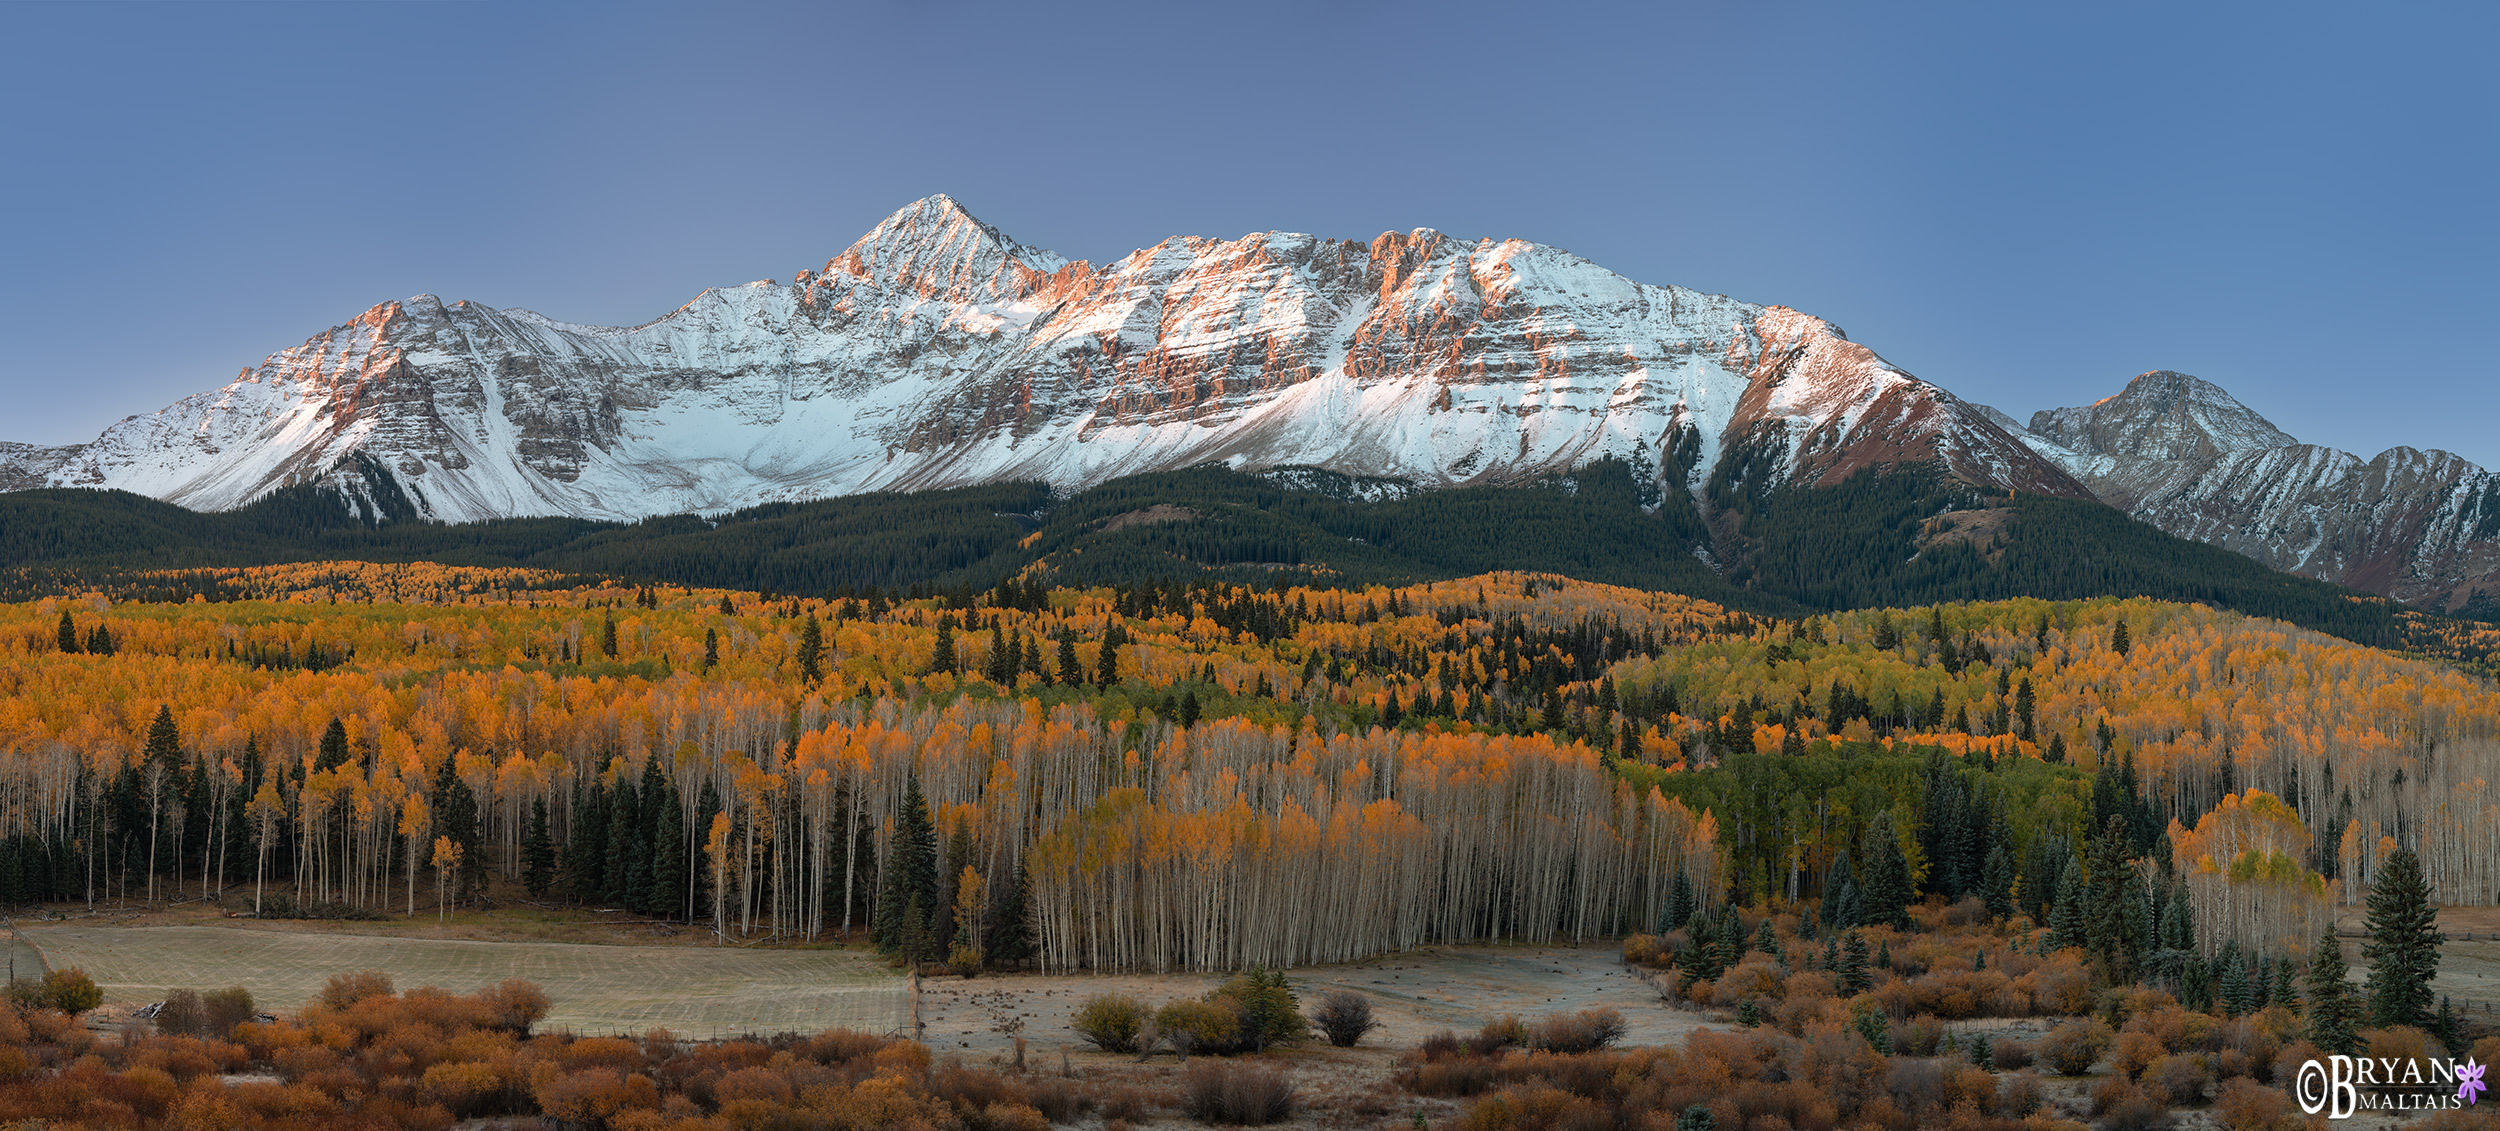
(938, 352)
(2182, 454)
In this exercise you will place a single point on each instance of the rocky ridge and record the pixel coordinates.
(937, 351)
(2422, 526)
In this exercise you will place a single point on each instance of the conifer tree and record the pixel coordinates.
(586, 851)
(2066, 912)
(942, 653)
(2333, 1014)
(2232, 990)
(2286, 984)
(1009, 922)
(456, 818)
(69, 634)
(2404, 943)
(811, 651)
(1854, 978)
(1996, 881)
(2110, 925)
(607, 635)
(538, 852)
(615, 875)
(908, 883)
(1767, 941)
(1680, 904)
(668, 853)
(1071, 670)
(333, 753)
(1884, 899)
(711, 648)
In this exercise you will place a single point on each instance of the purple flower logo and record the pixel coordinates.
(2470, 1081)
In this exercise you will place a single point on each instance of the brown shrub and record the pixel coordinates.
(1128, 1105)
(515, 1004)
(1587, 1030)
(2009, 1055)
(1503, 1032)
(2246, 1105)
(2074, 1047)
(1061, 1100)
(1236, 1094)
(1344, 1017)
(344, 990)
(2179, 1079)
(594, 1096)
(1011, 1117)
(1643, 950)
(2019, 1095)
(753, 1084)
(2133, 1050)
(601, 1052)
(2402, 1042)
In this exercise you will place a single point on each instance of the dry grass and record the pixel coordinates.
(695, 990)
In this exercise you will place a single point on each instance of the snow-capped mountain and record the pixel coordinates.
(2183, 455)
(938, 352)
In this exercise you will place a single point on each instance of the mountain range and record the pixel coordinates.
(937, 352)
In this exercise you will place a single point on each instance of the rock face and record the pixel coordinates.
(938, 352)
(2181, 454)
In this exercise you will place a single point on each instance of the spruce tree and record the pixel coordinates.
(811, 651)
(2232, 991)
(1854, 978)
(2404, 943)
(908, 883)
(1071, 670)
(1009, 922)
(538, 852)
(68, 642)
(2066, 912)
(615, 875)
(1885, 896)
(1996, 881)
(2333, 1013)
(668, 854)
(334, 751)
(586, 851)
(1680, 904)
(942, 652)
(456, 816)
(607, 635)
(2110, 927)
(2286, 984)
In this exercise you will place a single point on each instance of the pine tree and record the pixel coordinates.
(1854, 978)
(942, 653)
(668, 853)
(1107, 670)
(811, 651)
(2404, 943)
(586, 851)
(1009, 922)
(69, 634)
(2233, 992)
(711, 648)
(1680, 905)
(2286, 984)
(1767, 941)
(999, 666)
(2066, 913)
(2446, 1027)
(908, 885)
(607, 635)
(2110, 927)
(456, 817)
(2119, 641)
(2332, 1011)
(1996, 881)
(623, 807)
(333, 753)
(2196, 983)
(538, 852)
(1071, 670)
(1885, 896)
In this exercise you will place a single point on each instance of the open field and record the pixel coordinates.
(1413, 994)
(698, 991)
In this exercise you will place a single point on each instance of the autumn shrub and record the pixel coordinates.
(2074, 1047)
(2122, 1105)
(1236, 1094)
(1536, 1107)
(345, 990)
(2243, 1104)
(1200, 1026)
(222, 1010)
(71, 991)
(515, 1004)
(1919, 1036)
(1061, 1100)
(1643, 950)
(1344, 1017)
(2009, 1055)
(2400, 1043)
(2179, 1079)
(1504, 1032)
(592, 1097)
(1128, 1104)
(2019, 1094)
(1586, 1030)
(2133, 1049)
(1915, 1083)
(1111, 1021)
(181, 1013)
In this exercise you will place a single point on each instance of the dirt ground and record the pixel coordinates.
(1413, 994)
(696, 991)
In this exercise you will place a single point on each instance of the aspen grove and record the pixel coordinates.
(1192, 776)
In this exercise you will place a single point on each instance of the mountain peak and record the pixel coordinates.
(938, 249)
(2161, 415)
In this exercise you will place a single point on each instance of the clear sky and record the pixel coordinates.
(2025, 203)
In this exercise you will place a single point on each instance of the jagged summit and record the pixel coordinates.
(2161, 415)
(937, 351)
(2186, 456)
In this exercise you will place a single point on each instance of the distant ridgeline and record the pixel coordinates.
(1893, 538)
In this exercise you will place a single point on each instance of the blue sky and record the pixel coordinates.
(2027, 204)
